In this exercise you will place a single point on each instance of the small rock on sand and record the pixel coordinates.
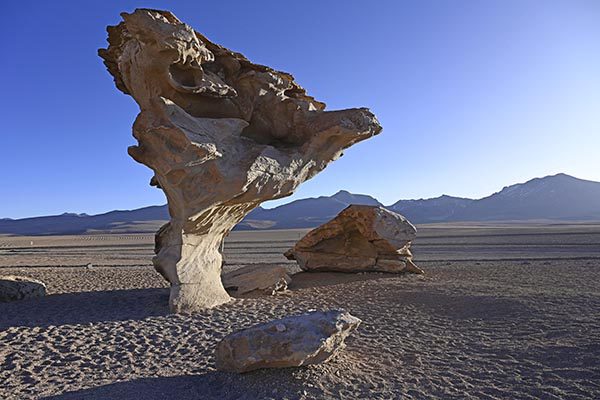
(14, 287)
(267, 278)
(294, 341)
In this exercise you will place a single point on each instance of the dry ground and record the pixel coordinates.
(504, 312)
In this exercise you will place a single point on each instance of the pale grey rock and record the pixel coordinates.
(222, 135)
(269, 279)
(294, 341)
(14, 288)
(359, 239)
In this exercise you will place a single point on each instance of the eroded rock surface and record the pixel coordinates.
(294, 341)
(221, 134)
(268, 279)
(14, 288)
(358, 239)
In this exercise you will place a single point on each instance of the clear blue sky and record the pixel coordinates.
(472, 95)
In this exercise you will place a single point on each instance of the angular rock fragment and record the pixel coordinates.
(359, 239)
(310, 338)
(222, 135)
(266, 278)
(20, 288)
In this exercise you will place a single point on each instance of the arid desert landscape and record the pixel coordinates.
(503, 311)
(336, 200)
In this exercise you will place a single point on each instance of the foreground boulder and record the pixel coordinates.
(310, 338)
(20, 288)
(265, 278)
(221, 135)
(358, 239)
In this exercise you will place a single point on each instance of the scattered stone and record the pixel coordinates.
(14, 288)
(294, 341)
(269, 279)
(359, 239)
(222, 135)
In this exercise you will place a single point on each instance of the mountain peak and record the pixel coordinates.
(341, 193)
(346, 197)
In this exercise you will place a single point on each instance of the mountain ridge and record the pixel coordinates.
(555, 197)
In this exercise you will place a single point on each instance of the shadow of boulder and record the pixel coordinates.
(85, 307)
(213, 385)
(303, 280)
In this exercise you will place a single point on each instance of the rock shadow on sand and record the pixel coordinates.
(85, 308)
(303, 280)
(212, 385)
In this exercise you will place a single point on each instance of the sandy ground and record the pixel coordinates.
(503, 313)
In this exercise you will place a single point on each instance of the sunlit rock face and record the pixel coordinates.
(311, 338)
(359, 239)
(222, 135)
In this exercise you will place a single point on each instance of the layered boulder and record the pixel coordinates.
(294, 341)
(14, 288)
(359, 239)
(268, 279)
(221, 135)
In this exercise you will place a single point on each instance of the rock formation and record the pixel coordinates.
(360, 238)
(20, 288)
(221, 134)
(289, 342)
(265, 278)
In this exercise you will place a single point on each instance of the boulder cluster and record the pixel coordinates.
(221, 135)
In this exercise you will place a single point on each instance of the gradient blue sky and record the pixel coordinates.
(472, 95)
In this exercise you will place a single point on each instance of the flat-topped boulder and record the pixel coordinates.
(294, 341)
(359, 239)
(221, 135)
(14, 288)
(268, 279)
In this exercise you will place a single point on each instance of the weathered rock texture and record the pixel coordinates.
(221, 134)
(20, 288)
(268, 279)
(360, 238)
(289, 342)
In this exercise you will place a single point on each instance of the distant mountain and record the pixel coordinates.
(438, 209)
(558, 197)
(147, 219)
(305, 213)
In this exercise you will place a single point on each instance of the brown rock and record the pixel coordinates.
(359, 239)
(266, 278)
(310, 338)
(20, 288)
(222, 135)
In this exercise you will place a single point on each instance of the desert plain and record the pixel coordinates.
(504, 311)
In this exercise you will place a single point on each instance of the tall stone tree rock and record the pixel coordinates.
(222, 135)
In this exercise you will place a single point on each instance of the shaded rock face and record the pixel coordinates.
(14, 288)
(310, 338)
(221, 134)
(268, 279)
(359, 239)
